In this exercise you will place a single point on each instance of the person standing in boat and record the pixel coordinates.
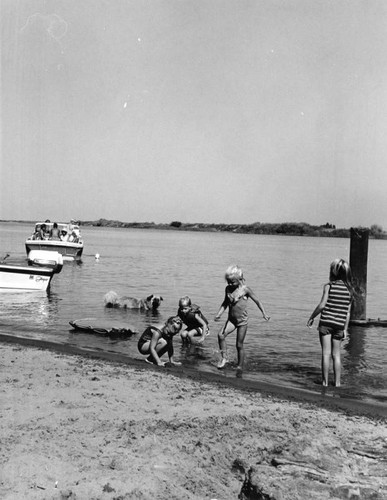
(335, 308)
(155, 342)
(55, 234)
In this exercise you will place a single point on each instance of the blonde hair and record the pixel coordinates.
(340, 270)
(185, 301)
(234, 272)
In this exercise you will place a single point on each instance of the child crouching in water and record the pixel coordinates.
(196, 323)
(235, 299)
(335, 308)
(156, 341)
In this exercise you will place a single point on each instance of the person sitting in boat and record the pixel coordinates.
(73, 232)
(155, 341)
(41, 233)
(38, 233)
(55, 232)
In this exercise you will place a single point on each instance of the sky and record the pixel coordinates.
(213, 111)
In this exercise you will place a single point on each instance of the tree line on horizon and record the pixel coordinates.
(283, 228)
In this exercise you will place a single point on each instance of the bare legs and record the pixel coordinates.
(325, 341)
(330, 349)
(161, 349)
(188, 336)
(226, 330)
(184, 337)
(241, 334)
(336, 356)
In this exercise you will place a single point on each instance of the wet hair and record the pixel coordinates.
(234, 272)
(184, 301)
(171, 319)
(340, 270)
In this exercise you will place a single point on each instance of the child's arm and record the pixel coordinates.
(222, 308)
(346, 326)
(220, 312)
(347, 321)
(204, 327)
(254, 298)
(170, 355)
(320, 306)
(152, 348)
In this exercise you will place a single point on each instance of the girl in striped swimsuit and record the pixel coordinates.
(335, 308)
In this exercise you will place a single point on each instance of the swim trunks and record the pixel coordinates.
(330, 330)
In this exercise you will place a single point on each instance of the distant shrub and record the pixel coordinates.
(176, 223)
(377, 231)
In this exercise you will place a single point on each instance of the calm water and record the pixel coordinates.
(287, 274)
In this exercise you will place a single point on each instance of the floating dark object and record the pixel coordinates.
(87, 326)
(368, 322)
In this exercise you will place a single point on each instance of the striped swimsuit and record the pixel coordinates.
(335, 312)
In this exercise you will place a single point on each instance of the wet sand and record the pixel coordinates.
(80, 425)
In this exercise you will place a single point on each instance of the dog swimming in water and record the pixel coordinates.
(150, 303)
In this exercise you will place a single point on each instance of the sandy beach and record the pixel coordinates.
(74, 427)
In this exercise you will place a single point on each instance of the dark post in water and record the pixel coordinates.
(358, 257)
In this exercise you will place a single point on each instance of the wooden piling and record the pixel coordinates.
(358, 258)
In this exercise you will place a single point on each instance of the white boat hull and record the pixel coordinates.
(69, 251)
(26, 278)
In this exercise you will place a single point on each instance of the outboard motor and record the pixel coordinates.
(47, 259)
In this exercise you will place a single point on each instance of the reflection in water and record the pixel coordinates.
(355, 362)
(361, 372)
(53, 304)
(135, 319)
(19, 307)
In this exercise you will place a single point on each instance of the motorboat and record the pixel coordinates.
(64, 238)
(33, 277)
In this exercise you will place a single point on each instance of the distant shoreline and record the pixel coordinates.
(279, 229)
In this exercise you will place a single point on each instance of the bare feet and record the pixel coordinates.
(222, 363)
